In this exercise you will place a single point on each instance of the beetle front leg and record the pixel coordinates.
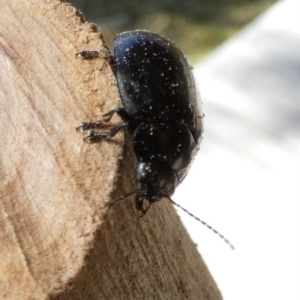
(139, 204)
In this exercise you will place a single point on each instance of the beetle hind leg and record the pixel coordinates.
(86, 54)
(104, 53)
(97, 136)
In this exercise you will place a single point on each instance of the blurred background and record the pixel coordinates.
(196, 27)
(245, 180)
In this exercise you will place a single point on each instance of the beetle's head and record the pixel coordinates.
(156, 179)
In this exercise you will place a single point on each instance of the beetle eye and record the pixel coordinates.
(161, 182)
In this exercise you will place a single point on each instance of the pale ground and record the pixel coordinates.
(246, 178)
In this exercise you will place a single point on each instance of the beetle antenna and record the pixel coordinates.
(204, 223)
(122, 198)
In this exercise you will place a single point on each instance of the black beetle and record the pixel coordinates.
(161, 109)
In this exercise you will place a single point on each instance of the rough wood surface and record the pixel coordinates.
(57, 240)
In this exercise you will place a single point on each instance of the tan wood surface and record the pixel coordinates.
(57, 240)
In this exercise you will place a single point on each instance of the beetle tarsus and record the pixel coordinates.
(95, 136)
(85, 126)
(86, 54)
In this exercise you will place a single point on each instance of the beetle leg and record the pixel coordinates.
(119, 111)
(139, 204)
(87, 54)
(107, 116)
(89, 125)
(94, 136)
(85, 126)
(110, 58)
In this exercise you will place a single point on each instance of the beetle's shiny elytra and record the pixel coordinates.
(161, 109)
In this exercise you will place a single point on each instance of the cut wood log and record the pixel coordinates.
(57, 239)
